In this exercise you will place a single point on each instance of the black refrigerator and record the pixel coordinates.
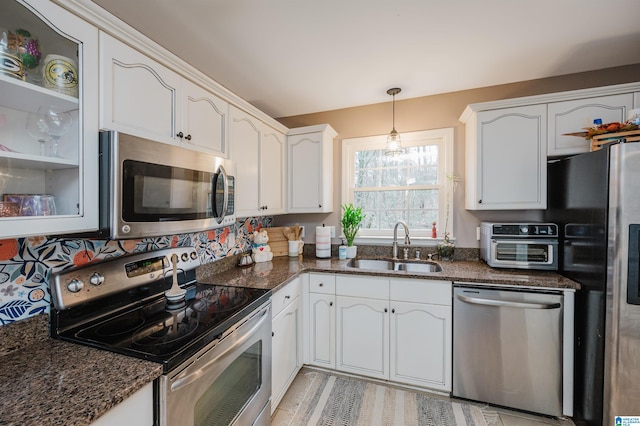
(595, 200)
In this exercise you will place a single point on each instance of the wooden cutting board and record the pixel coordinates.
(278, 242)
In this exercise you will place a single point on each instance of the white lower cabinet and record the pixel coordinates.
(363, 336)
(135, 410)
(390, 329)
(322, 320)
(421, 345)
(286, 356)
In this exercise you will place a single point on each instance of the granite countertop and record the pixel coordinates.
(45, 381)
(272, 275)
(51, 382)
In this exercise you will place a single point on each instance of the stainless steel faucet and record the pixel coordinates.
(407, 241)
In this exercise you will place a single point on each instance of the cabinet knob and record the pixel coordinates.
(385, 310)
(393, 311)
(273, 334)
(319, 206)
(188, 137)
(320, 285)
(180, 135)
(287, 297)
(330, 303)
(479, 201)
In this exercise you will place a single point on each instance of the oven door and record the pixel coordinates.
(524, 254)
(227, 383)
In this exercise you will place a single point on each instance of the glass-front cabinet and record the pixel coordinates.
(48, 120)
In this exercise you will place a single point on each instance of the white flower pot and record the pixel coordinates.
(352, 251)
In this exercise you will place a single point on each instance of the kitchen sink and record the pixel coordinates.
(391, 265)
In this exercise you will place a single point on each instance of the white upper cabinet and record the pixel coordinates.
(310, 169)
(49, 131)
(204, 120)
(259, 151)
(273, 146)
(138, 95)
(578, 115)
(144, 98)
(506, 159)
(508, 141)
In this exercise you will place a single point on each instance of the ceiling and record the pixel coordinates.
(291, 57)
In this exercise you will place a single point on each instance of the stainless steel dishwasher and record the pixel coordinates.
(507, 348)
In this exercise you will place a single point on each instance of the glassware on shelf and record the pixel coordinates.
(56, 123)
(32, 204)
(35, 126)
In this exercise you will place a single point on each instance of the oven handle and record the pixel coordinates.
(192, 377)
(508, 304)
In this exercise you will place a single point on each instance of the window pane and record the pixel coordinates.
(390, 217)
(366, 159)
(394, 177)
(422, 219)
(423, 199)
(368, 200)
(367, 178)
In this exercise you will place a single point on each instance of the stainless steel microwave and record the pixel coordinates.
(149, 188)
(519, 245)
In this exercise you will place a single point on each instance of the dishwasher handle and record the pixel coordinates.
(507, 304)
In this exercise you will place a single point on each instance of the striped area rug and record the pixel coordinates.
(328, 400)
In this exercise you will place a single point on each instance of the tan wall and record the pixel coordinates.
(433, 112)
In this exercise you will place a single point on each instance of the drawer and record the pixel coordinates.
(362, 286)
(433, 292)
(322, 283)
(284, 296)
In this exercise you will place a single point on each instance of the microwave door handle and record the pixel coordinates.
(504, 303)
(222, 174)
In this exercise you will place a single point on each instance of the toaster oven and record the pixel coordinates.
(519, 245)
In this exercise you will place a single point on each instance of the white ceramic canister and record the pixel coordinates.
(60, 73)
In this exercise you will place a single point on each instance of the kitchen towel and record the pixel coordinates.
(323, 241)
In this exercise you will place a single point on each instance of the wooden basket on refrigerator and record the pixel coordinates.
(599, 140)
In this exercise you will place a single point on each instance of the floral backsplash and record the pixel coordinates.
(26, 264)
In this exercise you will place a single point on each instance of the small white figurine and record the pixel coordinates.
(261, 250)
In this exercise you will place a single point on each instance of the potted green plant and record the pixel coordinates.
(351, 221)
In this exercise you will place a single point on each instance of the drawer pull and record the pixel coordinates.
(320, 285)
(287, 297)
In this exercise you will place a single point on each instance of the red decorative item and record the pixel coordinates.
(434, 232)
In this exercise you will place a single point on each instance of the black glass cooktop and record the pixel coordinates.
(169, 333)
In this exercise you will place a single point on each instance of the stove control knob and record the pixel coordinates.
(524, 229)
(75, 285)
(194, 255)
(96, 279)
(184, 257)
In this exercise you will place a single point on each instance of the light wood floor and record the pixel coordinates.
(287, 407)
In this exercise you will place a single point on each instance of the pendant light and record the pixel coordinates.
(394, 146)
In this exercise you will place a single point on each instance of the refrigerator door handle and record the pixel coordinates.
(507, 304)
(633, 271)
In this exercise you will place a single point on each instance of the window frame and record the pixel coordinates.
(444, 138)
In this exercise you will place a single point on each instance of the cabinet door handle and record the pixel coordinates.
(385, 310)
(188, 137)
(479, 201)
(330, 303)
(319, 206)
(287, 297)
(180, 135)
(393, 311)
(273, 333)
(320, 285)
